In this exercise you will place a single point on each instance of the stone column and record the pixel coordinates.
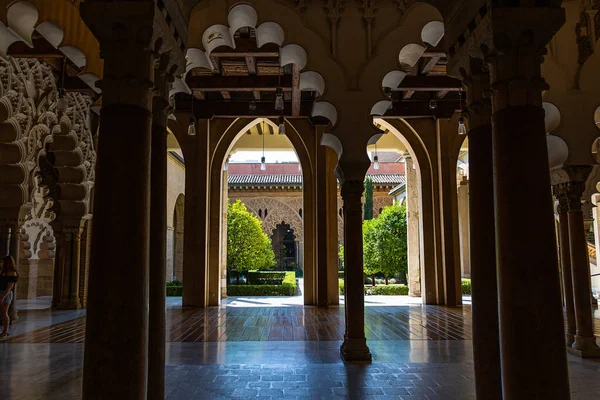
(321, 222)
(195, 249)
(116, 343)
(68, 264)
(333, 292)
(463, 227)
(355, 346)
(412, 222)
(158, 232)
(224, 198)
(561, 194)
(585, 342)
(482, 250)
(531, 319)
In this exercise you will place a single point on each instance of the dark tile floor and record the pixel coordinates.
(277, 370)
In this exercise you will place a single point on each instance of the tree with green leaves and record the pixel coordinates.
(368, 199)
(371, 262)
(341, 254)
(392, 245)
(248, 247)
(385, 244)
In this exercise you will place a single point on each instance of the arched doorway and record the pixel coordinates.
(272, 191)
(284, 246)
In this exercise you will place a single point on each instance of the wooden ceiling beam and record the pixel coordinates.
(441, 94)
(251, 64)
(239, 109)
(296, 93)
(406, 109)
(423, 83)
(226, 95)
(251, 83)
(408, 94)
(246, 47)
(256, 94)
(428, 64)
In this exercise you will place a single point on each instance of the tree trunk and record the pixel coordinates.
(237, 277)
(373, 279)
(386, 280)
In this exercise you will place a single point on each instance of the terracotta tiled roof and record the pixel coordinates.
(296, 180)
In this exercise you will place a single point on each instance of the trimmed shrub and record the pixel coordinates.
(266, 277)
(466, 286)
(341, 275)
(287, 288)
(174, 291)
(387, 290)
(174, 283)
(341, 286)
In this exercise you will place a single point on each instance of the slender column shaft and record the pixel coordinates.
(463, 226)
(585, 342)
(196, 219)
(525, 275)
(484, 287)
(565, 260)
(531, 318)
(14, 251)
(158, 245)
(321, 242)
(116, 343)
(224, 205)
(68, 268)
(413, 241)
(354, 347)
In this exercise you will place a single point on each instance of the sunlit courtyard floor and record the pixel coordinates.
(272, 348)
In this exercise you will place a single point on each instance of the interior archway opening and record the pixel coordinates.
(264, 178)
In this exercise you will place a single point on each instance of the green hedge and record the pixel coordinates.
(266, 277)
(287, 288)
(466, 286)
(341, 286)
(174, 288)
(174, 291)
(340, 274)
(387, 290)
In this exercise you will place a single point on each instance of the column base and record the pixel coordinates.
(585, 347)
(69, 304)
(355, 351)
(414, 294)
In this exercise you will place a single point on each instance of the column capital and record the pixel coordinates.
(476, 78)
(352, 193)
(512, 40)
(568, 195)
(163, 81)
(130, 33)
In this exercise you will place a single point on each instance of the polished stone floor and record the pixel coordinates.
(247, 351)
(417, 369)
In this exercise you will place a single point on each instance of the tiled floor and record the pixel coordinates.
(277, 370)
(283, 352)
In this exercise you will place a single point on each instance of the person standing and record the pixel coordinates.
(8, 278)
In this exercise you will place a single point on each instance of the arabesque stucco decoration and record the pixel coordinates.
(47, 158)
